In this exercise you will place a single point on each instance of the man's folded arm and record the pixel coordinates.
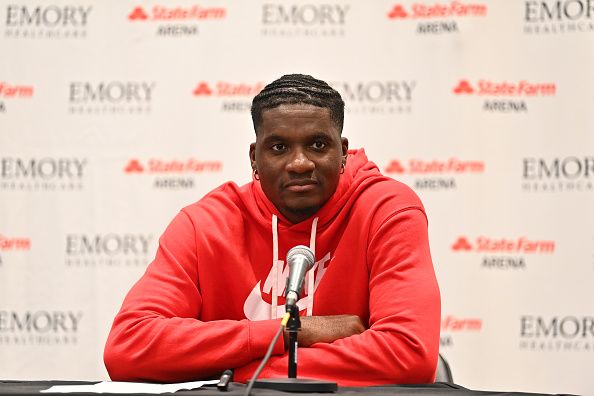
(155, 337)
(402, 342)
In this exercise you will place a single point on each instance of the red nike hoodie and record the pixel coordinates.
(212, 298)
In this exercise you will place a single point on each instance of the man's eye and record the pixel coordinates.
(278, 147)
(319, 145)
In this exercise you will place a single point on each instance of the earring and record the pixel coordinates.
(342, 168)
(255, 172)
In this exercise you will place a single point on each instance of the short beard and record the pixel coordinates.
(303, 214)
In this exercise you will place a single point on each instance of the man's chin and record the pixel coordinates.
(301, 212)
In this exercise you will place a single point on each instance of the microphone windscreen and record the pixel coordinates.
(303, 250)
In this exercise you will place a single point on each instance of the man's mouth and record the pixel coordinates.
(301, 185)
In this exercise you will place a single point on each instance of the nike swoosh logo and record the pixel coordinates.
(255, 308)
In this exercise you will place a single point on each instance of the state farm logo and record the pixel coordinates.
(176, 21)
(566, 333)
(438, 10)
(452, 326)
(376, 97)
(165, 13)
(138, 14)
(13, 244)
(8, 244)
(558, 16)
(39, 327)
(435, 174)
(13, 91)
(235, 97)
(108, 250)
(46, 21)
(558, 174)
(484, 244)
(172, 174)
(446, 14)
(503, 90)
(315, 20)
(110, 97)
(42, 174)
(504, 253)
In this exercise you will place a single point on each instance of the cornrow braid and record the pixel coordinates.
(298, 88)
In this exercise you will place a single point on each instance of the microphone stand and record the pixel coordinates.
(292, 383)
(293, 326)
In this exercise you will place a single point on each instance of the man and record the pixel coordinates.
(212, 298)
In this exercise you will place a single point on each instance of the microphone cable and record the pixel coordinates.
(268, 354)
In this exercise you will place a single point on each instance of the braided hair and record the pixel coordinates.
(295, 89)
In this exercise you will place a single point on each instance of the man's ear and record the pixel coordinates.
(345, 148)
(253, 156)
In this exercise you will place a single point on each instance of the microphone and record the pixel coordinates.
(300, 260)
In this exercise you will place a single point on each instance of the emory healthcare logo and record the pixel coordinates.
(434, 174)
(558, 174)
(504, 253)
(310, 20)
(110, 97)
(42, 174)
(41, 327)
(560, 333)
(558, 16)
(174, 20)
(110, 250)
(47, 21)
(447, 13)
(376, 96)
(505, 89)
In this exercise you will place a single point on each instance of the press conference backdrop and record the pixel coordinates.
(116, 114)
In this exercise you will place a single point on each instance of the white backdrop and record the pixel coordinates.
(115, 114)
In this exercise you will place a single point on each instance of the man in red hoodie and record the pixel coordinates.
(213, 297)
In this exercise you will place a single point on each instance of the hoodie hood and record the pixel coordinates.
(359, 174)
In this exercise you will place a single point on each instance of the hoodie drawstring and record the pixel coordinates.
(310, 276)
(274, 267)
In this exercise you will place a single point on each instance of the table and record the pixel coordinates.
(32, 388)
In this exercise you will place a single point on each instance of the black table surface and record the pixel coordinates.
(28, 388)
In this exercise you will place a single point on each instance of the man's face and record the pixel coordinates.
(298, 155)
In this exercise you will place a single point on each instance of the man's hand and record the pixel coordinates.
(326, 329)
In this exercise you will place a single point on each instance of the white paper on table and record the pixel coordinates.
(128, 387)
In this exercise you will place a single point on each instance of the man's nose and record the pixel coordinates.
(300, 163)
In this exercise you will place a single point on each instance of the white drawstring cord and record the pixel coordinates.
(274, 301)
(310, 277)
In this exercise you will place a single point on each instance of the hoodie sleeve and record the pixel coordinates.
(402, 342)
(156, 336)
